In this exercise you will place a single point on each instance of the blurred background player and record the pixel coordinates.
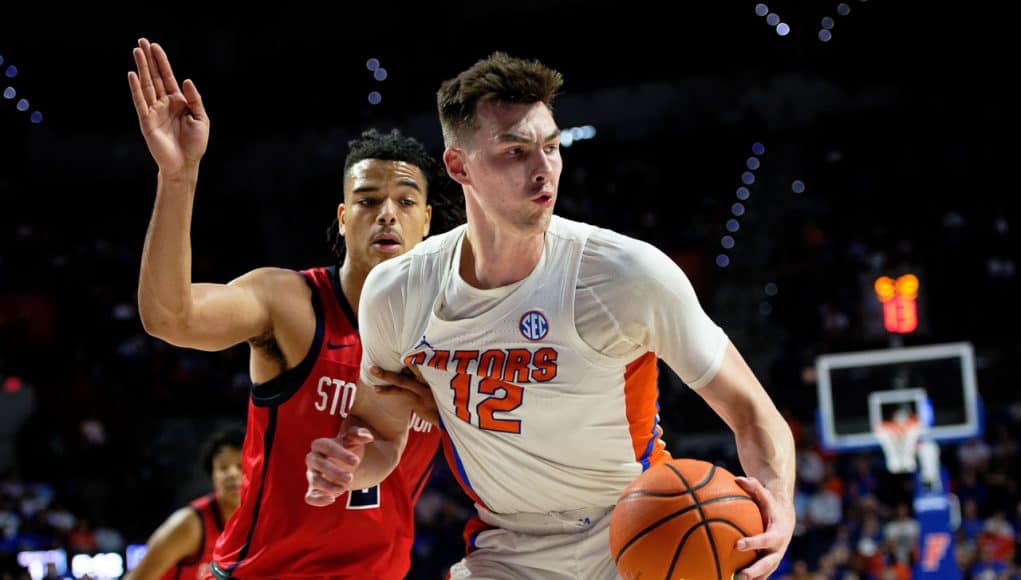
(182, 547)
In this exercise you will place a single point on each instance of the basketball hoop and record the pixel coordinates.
(899, 440)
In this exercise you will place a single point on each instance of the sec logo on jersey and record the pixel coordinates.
(533, 325)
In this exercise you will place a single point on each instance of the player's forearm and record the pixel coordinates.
(766, 449)
(164, 286)
(380, 459)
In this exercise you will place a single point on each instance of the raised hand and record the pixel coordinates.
(331, 464)
(173, 120)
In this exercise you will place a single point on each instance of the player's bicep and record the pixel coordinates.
(176, 539)
(223, 315)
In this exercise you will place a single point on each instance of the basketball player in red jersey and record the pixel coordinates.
(182, 547)
(305, 349)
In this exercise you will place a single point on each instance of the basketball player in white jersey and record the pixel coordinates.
(538, 337)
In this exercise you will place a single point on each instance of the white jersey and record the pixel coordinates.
(546, 388)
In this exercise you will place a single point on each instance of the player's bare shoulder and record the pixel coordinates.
(287, 298)
(275, 287)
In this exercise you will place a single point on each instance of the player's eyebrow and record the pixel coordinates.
(511, 137)
(372, 188)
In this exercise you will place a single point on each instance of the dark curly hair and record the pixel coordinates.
(395, 146)
(228, 437)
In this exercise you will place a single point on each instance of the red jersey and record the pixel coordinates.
(196, 566)
(274, 533)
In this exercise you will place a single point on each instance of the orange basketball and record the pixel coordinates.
(682, 519)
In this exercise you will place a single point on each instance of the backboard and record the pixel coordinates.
(935, 382)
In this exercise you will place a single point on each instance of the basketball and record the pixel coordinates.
(682, 519)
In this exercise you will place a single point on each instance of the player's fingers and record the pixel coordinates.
(317, 498)
(154, 69)
(137, 96)
(400, 380)
(393, 391)
(191, 94)
(143, 74)
(357, 436)
(761, 569)
(332, 449)
(319, 483)
(166, 72)
(763, 541)
(329, 470)
(751, 485)
(759, 493)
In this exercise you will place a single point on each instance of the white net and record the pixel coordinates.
(899, 439)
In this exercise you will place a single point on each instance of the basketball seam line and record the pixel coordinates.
(675, 514)
(701, 514)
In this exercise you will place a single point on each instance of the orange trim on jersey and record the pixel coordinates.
(641, 397)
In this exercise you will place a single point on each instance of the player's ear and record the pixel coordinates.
(340, 217)
(453, 160)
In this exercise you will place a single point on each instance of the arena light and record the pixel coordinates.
(380, 74)
(572, 135)
(826, 32)
(737, 209)
(10, 93)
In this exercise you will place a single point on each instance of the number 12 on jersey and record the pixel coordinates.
(496, 397)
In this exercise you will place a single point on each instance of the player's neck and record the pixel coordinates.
(352, 278)
(227, 509)
(491, 258)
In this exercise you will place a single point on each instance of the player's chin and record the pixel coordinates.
(540, 220)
